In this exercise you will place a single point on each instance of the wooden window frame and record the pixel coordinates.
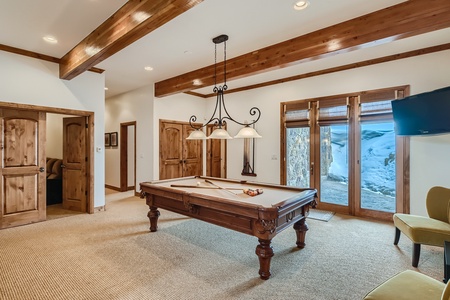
(354, 121)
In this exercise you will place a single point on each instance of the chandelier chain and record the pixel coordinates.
(215, 65)
(225, 64)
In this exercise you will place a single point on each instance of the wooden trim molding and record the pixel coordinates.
(111, 187)
(54, 110)
(40, 56)
(403, 20)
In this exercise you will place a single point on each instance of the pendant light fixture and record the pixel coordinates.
(220, 115)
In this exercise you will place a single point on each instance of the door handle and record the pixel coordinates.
(63, 166)
(41, 169)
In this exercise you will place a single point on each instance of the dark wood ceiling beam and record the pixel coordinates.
(124, 27)
(406, 19)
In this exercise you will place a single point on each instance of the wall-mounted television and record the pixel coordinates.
(421, 114)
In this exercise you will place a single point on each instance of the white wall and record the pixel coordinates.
(430, 166)
(30, 81)
(136, 106)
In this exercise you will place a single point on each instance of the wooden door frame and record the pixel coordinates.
(124, 155)
(89, 140)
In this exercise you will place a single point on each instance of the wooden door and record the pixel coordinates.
(23, 167)
(178, 157)
(216, 158)
(74, 164)
(127, 156)
(170, 150)
(192, 154)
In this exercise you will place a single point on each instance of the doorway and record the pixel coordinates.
(18, 116)
(128, 156)
(178, 157)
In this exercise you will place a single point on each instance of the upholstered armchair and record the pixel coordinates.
(432, 230)
(409, 285)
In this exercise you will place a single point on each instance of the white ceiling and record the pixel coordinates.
(184, 44)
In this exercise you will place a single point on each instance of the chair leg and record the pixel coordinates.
(416, 255)
(397, 236)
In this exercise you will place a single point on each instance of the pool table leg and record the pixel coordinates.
(301, 228)
(265, 253)
(153, 215)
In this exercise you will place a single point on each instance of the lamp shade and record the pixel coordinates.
(220, 133)
(247, 133)
(197, 135)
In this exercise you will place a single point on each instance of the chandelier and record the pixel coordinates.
(220, 115)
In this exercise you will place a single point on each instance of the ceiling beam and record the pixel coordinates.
(133, 20)
(359, 64)
(406, 19)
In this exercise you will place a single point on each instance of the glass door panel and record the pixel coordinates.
(334, 164)
(298, 157)
(378, 166)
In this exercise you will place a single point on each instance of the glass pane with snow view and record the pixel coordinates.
(334, 164)
(378, 166)
(297, 157)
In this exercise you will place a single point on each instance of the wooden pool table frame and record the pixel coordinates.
(253, 219)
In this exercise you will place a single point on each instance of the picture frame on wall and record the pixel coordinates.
(107, 139)
(114, 139)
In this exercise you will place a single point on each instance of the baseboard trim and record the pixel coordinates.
(112, 187)
(100, 208)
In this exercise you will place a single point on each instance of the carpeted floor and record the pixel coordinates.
(112, 255)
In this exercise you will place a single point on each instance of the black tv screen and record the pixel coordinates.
(426, 113)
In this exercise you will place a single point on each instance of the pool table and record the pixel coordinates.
(224, 202)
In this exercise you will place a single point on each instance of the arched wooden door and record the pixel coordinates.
(23, 167)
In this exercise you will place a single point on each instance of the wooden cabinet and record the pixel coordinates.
(178, 157)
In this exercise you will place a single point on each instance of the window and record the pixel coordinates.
(346, 148)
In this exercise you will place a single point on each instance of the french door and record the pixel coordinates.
(345, 147)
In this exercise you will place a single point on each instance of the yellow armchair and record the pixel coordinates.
(433, 230)
(409, 285)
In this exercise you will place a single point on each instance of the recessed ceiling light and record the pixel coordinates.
(50, 39)
(148, 68)
(197, 82)
(299, 5)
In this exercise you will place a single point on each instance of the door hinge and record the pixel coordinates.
(86, 125)
(86, 159)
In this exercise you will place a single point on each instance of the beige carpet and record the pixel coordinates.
(112, 255)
